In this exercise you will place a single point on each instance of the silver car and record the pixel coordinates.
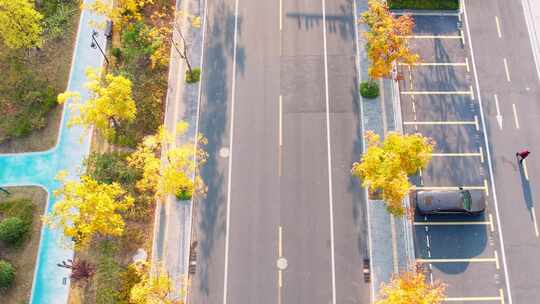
(450, 202)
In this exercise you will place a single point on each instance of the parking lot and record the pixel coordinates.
(438, 100)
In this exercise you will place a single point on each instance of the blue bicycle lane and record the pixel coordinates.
(51, 283)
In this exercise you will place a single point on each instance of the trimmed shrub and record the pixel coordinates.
(369, 89)
(12, 230)
(194, 76)
(184, 195)
(7, 274)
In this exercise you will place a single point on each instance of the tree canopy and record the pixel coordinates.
(109, 104)
(20, 24)
(386, 41)
(86, 208)
(411, 288)
(385, 166)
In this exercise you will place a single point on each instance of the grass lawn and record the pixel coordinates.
(424, 4)
(27, 203)
(31, 80)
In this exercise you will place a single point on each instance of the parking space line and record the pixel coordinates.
(462, 37)
(474, 299)
(497, 266)
(486, 187)
(481, 154)
(526, 173)
(506, 69)
(491, 223)
(470, 92)
(465, 64)
(466, 260)
(474, 122)
(421, 223)
(457, 154)
(498, 27)
(516, 121)
(433, 37)
(535, 222)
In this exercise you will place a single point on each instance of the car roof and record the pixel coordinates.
(440, 199)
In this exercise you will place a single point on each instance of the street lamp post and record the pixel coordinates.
(95, 44)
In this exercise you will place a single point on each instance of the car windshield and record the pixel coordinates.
(466, 198)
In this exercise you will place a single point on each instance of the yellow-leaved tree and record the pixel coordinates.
(411, 288)
(385, 166)
(86, 208)
(109, 104)
(20, 24)
(121, 11)
(153, 288)
(386, 41)
(179, 175)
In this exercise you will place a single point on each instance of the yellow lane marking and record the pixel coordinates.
(280, 241)
(465, 64)
(506, 69)
(457, 154)
(516, 121)
(280, 135)
(474, 122)
(451, 223)
(501, 293)
(280, 15)
(497, 266)
(280, 278)
(432, 37)
(498, 27)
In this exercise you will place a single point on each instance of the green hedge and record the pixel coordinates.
(12, 230)
(424, 4)
(7, 274)
(369, 89)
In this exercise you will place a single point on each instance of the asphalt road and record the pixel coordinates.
(500, 34)
(279, 108)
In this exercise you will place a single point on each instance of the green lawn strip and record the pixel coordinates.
(424, 4)
(21, 208)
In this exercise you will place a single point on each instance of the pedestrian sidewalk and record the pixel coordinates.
(390, 239)
(173, 218)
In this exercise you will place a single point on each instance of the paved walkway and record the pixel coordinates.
(172, 230)
(51, 283)
(391, 244)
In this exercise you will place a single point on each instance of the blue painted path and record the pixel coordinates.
(51, 283)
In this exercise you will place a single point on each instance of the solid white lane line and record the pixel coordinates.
(451, 223)
(467, 260)
(516, 121)
(486, 142)
(534, 222)
(506, 69)
(498, 27)
(229, 175)
(329, 153)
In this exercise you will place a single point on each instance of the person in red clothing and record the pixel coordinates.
(521, 155)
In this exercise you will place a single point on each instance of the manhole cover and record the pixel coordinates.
(281, 263)
(224, 152)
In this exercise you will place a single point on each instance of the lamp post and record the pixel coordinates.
(95, 44)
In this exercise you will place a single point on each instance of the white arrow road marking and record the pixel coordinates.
(499, 116)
